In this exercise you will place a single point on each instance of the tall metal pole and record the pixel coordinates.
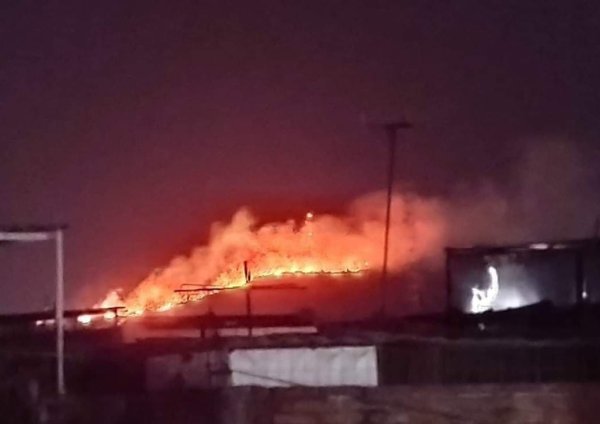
(391, 130)
(249, 310)
(59, 317)
(391, 139)
(248, 298)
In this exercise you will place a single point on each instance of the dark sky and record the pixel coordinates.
(140, 122)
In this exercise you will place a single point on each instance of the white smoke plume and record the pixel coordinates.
(552, 198)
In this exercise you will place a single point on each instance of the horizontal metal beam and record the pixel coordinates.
(226, 321)
(43, 315)
(539, 246)
(29, 233)
(25, 236)
(282, 286)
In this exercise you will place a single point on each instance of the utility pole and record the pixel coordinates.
(248, 278)
(391, 132)
(59, 313)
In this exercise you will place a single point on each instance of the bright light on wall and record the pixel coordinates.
(482, 300)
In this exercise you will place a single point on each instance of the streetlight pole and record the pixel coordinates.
(59, 318)
(391, 132)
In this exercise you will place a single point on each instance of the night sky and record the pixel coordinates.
(140, 123)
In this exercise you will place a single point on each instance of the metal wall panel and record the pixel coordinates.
(330, 366)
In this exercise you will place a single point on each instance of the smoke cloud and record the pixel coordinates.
(348, 243)
(553, 196)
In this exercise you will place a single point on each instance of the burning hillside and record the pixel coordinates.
(316, 244)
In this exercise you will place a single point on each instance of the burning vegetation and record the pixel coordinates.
(316, 244)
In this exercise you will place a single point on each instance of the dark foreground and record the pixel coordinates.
(541, 403)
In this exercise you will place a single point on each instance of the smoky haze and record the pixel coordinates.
(142, 123)
(550, 194)
(552, 199)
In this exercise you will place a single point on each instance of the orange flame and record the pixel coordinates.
(318, 244)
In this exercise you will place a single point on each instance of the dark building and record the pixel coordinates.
(565, 273)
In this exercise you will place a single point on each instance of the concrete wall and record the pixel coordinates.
(195, 370)
(324, 367)
(416, 404)
(488, 404)
(464, 361)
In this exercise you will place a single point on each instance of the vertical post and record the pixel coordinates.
(208, 369)
(248, 299)
(59, 317)
(391, 138)
(580, 283)
(449, 282)
(249, 311)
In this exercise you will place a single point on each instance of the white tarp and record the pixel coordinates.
(328, 366)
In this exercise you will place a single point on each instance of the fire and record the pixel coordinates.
(113, 299)
(110, 315)
(483, 300)
(84, 319)
(317, 244)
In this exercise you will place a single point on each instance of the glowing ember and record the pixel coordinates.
(110, 315)
(84, 319)
(323, 244)
(112, 300)
(165, 307)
